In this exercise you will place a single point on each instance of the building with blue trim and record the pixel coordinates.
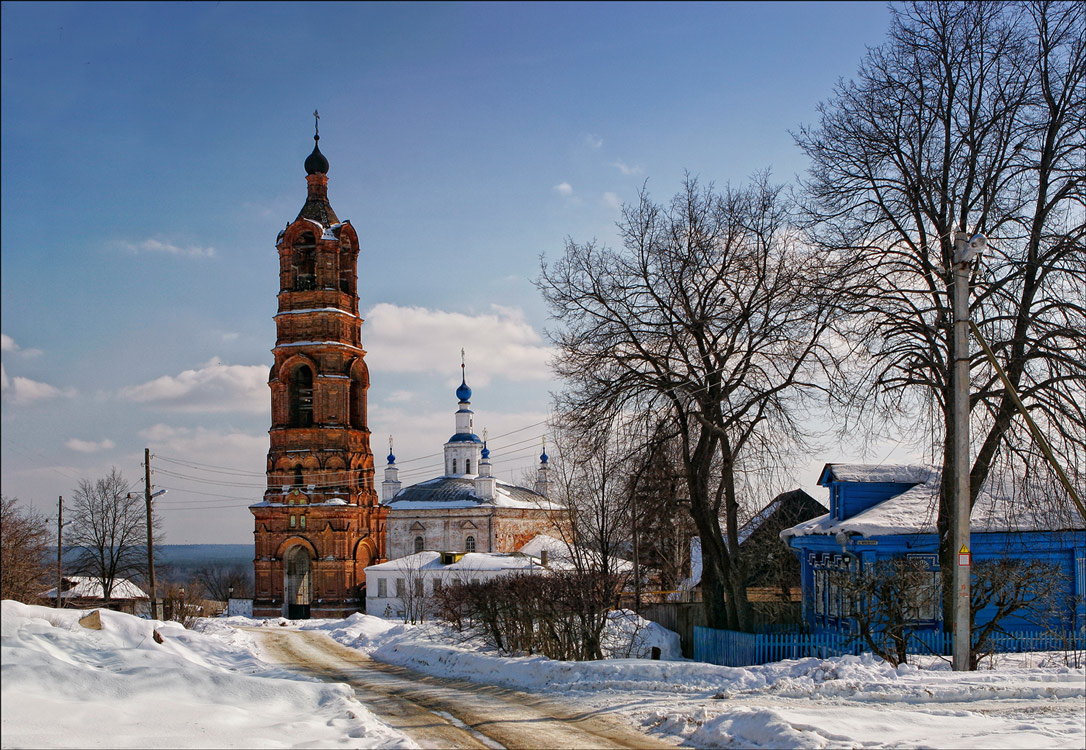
(882, 513)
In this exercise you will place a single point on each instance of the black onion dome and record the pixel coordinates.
(316, 162)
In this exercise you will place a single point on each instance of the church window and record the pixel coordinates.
(467, 466)
(303, 522)
(293, 521)
(419, 544)
(298, 479)
(401, 587)
(382, 587)
(305, 264)
(469, 544)
(453, 466)
(301, 397)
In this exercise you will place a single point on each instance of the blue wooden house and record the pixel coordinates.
(888, 512)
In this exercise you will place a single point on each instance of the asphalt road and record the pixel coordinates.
(445, 713)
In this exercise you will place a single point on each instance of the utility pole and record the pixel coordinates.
(965, 249)
(150, 537)
(60, 545)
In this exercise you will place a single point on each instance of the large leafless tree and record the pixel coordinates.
(711, 314)
(109, 529)
(971, 117)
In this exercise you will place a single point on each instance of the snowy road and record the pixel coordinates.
(445, 713)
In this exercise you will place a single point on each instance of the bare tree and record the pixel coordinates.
(712, 317)
(24, 541)
(971, 117)
(892, 602)
(109, 528)
(222, 581)
(590, 482)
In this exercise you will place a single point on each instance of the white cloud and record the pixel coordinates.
(217, 447)
(593, 141)
(564, 189)
(89, 446)
(499, 344)
(7, 344)
(626, 169)
(612, 201)
(157, 246)
(213, 387)
(20, 390)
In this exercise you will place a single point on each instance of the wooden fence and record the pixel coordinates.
(733, 649)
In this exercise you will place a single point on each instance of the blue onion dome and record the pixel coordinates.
(543, 456)
(316, 162)
(391, 458)
(486, 451)
(463, 392)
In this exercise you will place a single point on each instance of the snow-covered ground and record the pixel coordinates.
(65, 686)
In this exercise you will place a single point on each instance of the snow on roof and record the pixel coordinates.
(555, 548)
(999, 507)
(431, 561)
(87, 587)
(912, 473)
(458, 491)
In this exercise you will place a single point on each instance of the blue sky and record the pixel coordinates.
(151, 152)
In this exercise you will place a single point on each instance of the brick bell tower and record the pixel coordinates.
(319, 524)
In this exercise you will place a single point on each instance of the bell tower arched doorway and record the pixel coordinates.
(297, 583)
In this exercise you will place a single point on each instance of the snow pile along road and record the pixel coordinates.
(64, 685)
(1027, 700)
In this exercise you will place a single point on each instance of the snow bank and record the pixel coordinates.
(67, 686)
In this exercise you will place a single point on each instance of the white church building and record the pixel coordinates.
(467, 509)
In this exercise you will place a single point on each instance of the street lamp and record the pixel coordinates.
(966, 249)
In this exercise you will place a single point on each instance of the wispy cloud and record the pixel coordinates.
(612, 201)
(89, 446)
(564, 189)
(20, 390)
(593, 141)
(626, 169)
(500, 343)
(212, 387)
(158, 246)
(8, 345)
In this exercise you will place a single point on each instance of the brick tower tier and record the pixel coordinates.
(319, 524)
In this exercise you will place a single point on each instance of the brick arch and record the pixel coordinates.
(359, 374)
(294, 232)
(295, 541)
(289, 365)
(365, 553)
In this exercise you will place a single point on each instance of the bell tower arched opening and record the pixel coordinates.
(301, 397)
(297, 583)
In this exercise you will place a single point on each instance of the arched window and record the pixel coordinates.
(418, 544)
(467, 466)
(301, 397)
(299, 480)
(453, 467)
(305, 263)
(469, 544)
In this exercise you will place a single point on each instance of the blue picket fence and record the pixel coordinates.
(734, 649)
